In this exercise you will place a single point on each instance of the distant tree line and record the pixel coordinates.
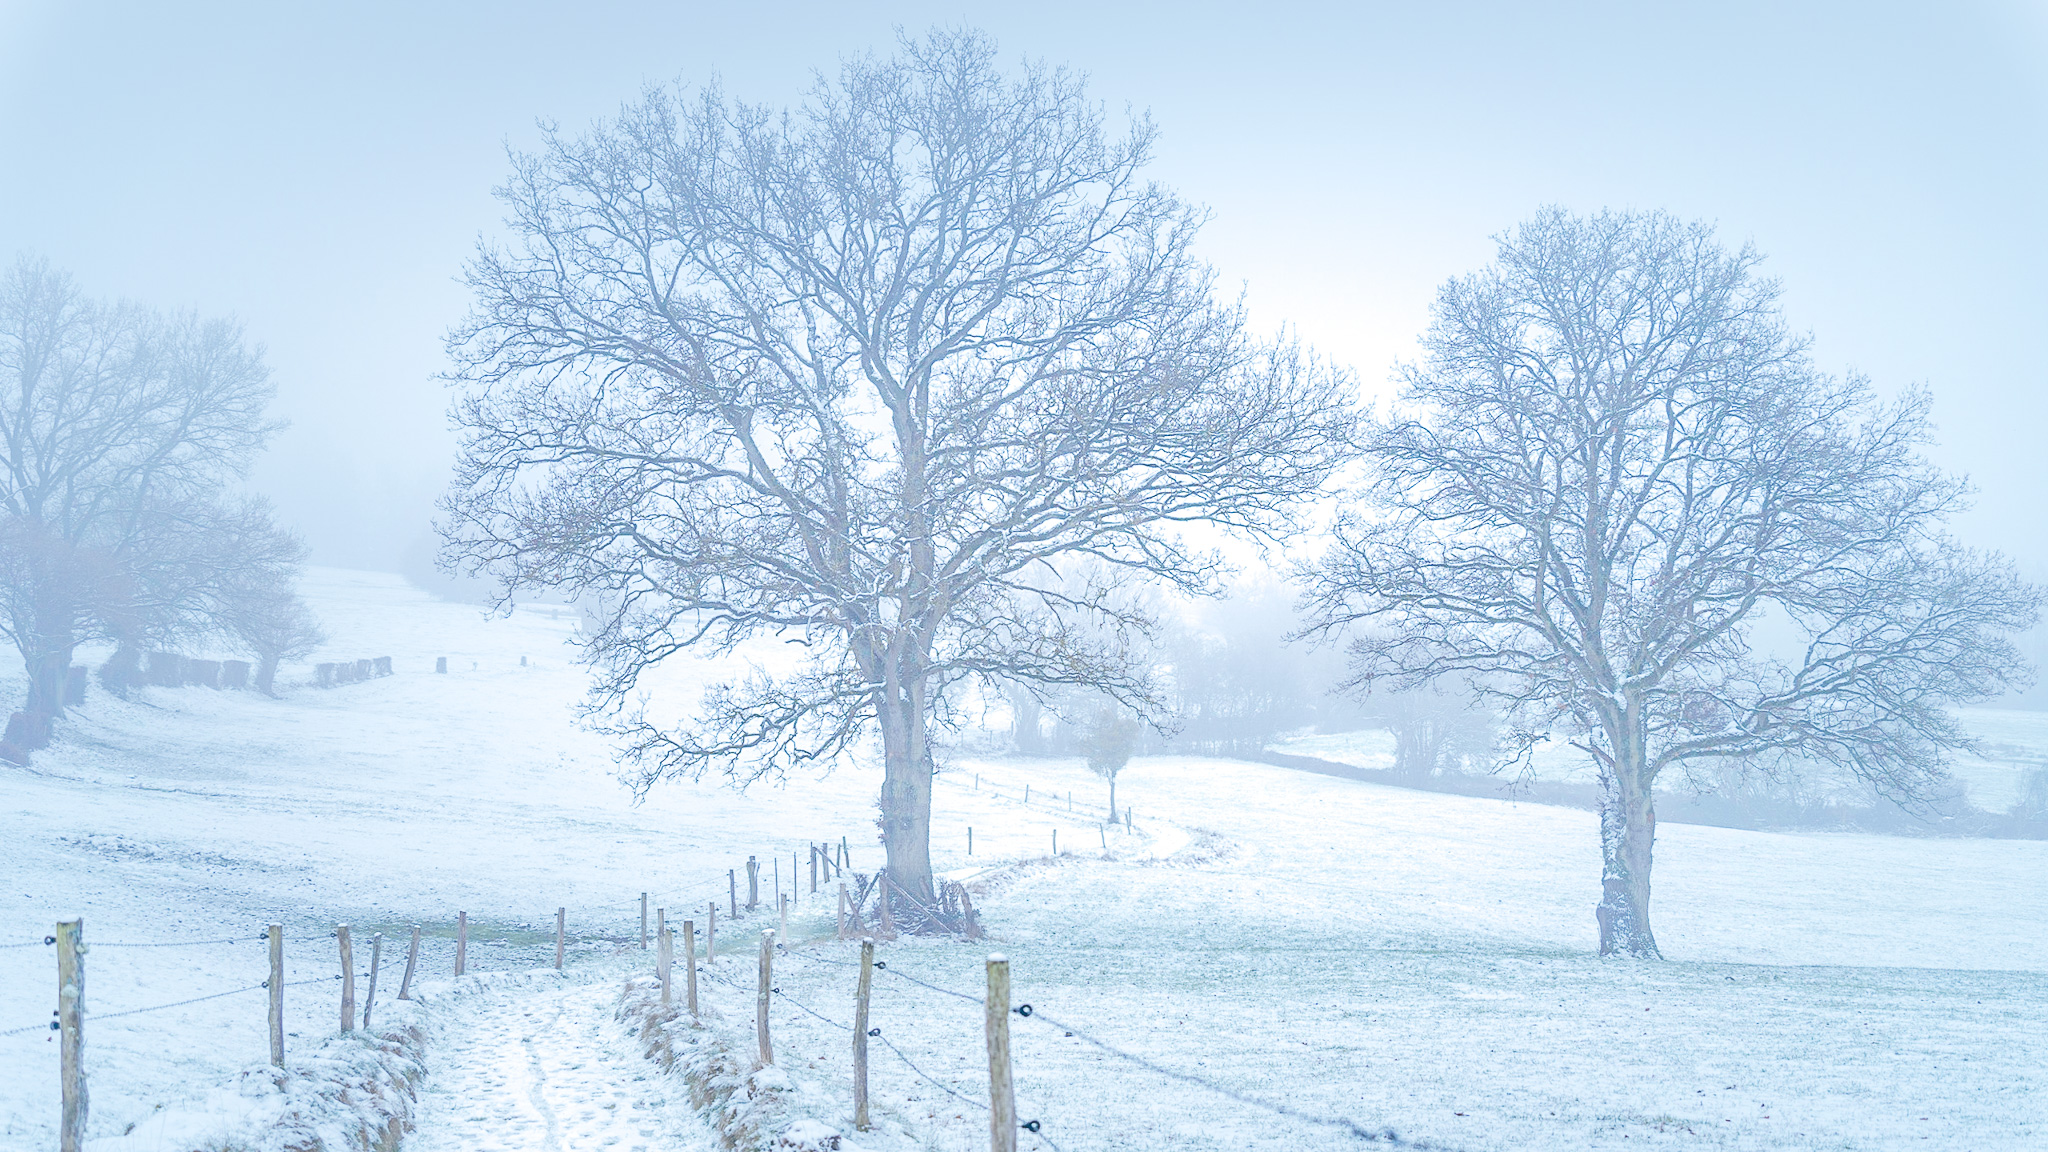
(123, 434)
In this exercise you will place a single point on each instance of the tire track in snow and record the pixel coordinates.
(547, 1069)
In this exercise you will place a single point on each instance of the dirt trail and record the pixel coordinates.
(547, 1069)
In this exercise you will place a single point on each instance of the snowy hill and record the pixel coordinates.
(1403, 958)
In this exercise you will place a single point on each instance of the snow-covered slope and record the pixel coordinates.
(1403, 958)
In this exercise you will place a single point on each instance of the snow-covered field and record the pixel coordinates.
(2014, 744)
(1400, 958)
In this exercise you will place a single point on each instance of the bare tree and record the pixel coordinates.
(275, 625)
(1108, 741)
(256, 600)
(118, 430)
(1619, 497)
(861, 374)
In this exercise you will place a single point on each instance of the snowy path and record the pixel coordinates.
(547, 1069)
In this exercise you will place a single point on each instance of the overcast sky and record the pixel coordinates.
(322, 176)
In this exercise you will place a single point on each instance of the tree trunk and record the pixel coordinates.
(266, 674)
(48, 667)
(1112, 798)
(1628, 831)
(907, 794)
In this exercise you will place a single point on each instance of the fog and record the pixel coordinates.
(891, 498)
(322, 176)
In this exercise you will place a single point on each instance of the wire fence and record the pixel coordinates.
(646, 902)
(1386, 1136)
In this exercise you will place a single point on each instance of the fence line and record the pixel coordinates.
(1382, 1136)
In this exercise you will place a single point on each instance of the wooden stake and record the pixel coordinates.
(70, 1029)
(842, 909)
(643, 921)
(664, 953)
(753, 883)
(1002, 1093)
(814, 869)
(1055, 841)
(845, 854)
(348, 979)
(1027, 793)
(711, 934)
(1103, 831)
(376, 958)
(276, 987)
(732, 893)
(461, 942)
(767, 1052)
(882, 897)
(784, 902)
(412, 958)
(970, 839)
(560, 937)
(690, 961)
(860, 1033)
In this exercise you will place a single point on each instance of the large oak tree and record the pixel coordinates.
(869, 373)
(1618, 497)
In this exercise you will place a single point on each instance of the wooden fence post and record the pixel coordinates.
(814, 869)
(348, 979)
(276, 986)
(970, 839)
(711, 933)
(561, 918)
(412, 958)
(690, 962)
(70, 1029)
(753, 883)
(784, 902)
(761, 995)
(860, 1033)
(842, 909)
(1055, 841)
(660, 926)
(376, 958)
(845, 854)
(732, 894)
(1027, 793)
(1002, 1095)
(461, 942)
(794, 872)
(664, 952)
(643, 921)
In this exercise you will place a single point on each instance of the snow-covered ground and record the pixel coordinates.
(1405, 959)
